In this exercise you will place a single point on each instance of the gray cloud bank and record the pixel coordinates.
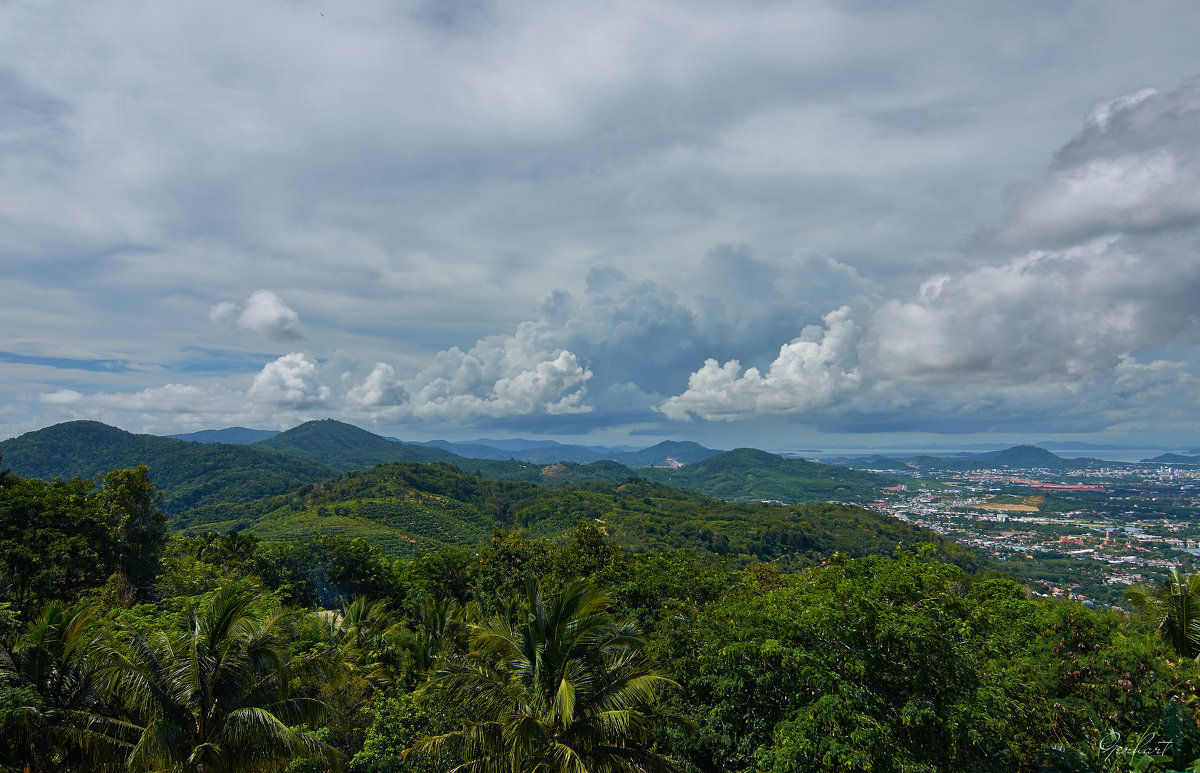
(670, 216)
(1096, 318)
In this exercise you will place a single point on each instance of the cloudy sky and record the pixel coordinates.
(786, 224)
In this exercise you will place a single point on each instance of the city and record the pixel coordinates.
(1085, 534)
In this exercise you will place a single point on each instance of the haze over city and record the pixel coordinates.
(792, 225)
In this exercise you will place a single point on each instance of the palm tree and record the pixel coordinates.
(366, 636)
(436, 627)
(214, 696)
(56, 717)
(1173, 607)
(557, 686)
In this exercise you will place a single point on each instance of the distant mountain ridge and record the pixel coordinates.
(348, 447)
(666, 453)
(193, 473)
(1172, 459)
(1016, 457)
(238, 436)
(188, 474)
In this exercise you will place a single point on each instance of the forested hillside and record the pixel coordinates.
(188, 474)
(121, 649)
(347, 447)
(192, 474)
(747, 474)
(405, 508)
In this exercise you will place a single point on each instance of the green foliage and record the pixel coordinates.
(213, 695)
(325, 569)
(129, 504)
(53, 542)
(555, 683)
(51, 707)
(902, 664)
(397, 721)
(800, 637)
(1173, 609)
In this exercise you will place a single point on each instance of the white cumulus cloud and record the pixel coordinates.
(380, 388)
(264, 313)
(60, 397)
(292, 381)
(810, 372)
(500, 376)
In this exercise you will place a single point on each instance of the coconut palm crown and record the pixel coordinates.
(552, 684)
(1173, 607)
(213, 696)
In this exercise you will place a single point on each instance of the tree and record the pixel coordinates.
(51, 711)
(52, 542)
(1173, 608)
(367, 634)
(555, 685)
(130, 505)
(214, 696)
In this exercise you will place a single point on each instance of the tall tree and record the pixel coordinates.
(130, 504)
(554, 684)
(52, 542)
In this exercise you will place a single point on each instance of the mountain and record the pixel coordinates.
(1027, 457)
(406, 508)
(747, 474)
(682, 452)
(188, 474)
(874, 462)
(1172, 459)
(1075, 445)
(549, 452)
(471, 450)
(233, 435)
(1017, 457)
(348, 447)
(559, 452)
(515, 444)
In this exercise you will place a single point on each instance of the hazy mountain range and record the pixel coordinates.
(239, 464)
(540, 451)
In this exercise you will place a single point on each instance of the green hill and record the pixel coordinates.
(684, 452)
(1172, 459)
(406, 508)
(1018, 457)
(747, 474)
(744, 475)
(1027, 457)
(347, 447)
(188, 474)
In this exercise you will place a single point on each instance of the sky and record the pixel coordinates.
(778, 224)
